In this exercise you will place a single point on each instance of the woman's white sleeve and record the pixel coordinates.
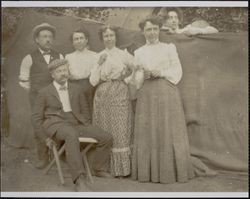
(173, 72)
(95, 74)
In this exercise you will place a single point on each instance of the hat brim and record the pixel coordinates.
(37, 29)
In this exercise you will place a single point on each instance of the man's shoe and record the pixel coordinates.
(80, 185)
(41, 164)
(102, 174)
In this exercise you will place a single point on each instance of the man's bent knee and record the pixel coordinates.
(106, 138)
(67, 133)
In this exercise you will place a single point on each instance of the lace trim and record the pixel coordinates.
(125, 149)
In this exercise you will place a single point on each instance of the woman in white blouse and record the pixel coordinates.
(81, 61)
(112, 109)
(161, 147)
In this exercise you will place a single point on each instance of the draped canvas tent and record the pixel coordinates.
(214, 87)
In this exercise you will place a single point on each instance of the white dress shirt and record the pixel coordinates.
(81, 63)
(26, 64)
(158, 56)
(64, 96)
(192, 30)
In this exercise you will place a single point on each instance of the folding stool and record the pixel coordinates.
(58, 153)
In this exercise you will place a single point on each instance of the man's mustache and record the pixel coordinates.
(64, 76)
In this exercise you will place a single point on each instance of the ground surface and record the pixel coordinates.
(19, 175)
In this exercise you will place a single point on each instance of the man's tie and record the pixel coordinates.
(63, 88)
(46, 53)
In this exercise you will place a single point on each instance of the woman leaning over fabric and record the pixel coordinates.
(161, 147)
(112, 109)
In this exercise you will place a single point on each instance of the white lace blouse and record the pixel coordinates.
(159, 56)
(81, 63)
(115, 65)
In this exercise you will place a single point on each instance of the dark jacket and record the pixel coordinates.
(47, 114)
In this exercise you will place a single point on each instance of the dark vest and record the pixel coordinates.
(40, 76)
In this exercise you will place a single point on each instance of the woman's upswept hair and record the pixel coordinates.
(154, 19)
(80, 30)
(163, 13)
(106, 27)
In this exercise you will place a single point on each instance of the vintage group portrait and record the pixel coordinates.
(109, 99)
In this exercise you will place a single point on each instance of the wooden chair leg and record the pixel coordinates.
(86, 164)
(59, 168)
(56, 160)
(62, 149)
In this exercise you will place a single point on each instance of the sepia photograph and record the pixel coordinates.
(124, 99)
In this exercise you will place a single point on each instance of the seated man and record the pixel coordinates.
(59, 113)
(198, 26)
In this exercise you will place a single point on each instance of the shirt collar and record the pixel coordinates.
(42, 51)
(59, 85)
(156, 42)
(80, 52)
(110, 50)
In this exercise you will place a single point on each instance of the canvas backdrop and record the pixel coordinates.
(214, 87)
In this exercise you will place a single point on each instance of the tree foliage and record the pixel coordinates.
(11, 16)
(224, 19)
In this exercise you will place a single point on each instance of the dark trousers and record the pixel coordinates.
(98, 156)
(5, 114)
(41, 148)
(88, 91)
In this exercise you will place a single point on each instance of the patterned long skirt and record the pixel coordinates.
(161, 147)
(113, 112)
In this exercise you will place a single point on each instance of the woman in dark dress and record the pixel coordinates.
(161, 146)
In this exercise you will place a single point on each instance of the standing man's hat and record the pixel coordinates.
(43, 26)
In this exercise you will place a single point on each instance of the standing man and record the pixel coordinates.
(34, 75)
(81, 61)
(60, 113)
